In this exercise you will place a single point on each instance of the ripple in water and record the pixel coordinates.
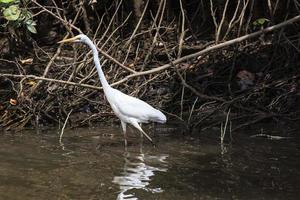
(138, 172)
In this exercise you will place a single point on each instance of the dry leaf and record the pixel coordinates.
(159, 44)
(246, 75)
(184, 65)
(246, 79)
(31, 82)
(191, 66)
(210, 71)
(27, 61)
(13, 102)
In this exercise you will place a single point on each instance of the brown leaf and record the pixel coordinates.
(13, 102)
(246, 79)
(246, 75)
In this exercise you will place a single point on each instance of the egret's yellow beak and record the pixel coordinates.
(73, 39)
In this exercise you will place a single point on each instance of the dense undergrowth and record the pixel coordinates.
(164, 52)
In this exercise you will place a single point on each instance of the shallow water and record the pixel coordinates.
(93, 164)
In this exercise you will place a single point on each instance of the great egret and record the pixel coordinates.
(128, 109)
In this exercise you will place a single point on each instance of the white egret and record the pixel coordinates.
(128, 109)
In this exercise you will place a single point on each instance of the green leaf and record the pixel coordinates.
(6, 1)
(22, 16)
(31, 28)
(27, 14)
(30, 22)
(261, 21)
(12, 13)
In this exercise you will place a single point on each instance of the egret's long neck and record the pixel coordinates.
(105, 85)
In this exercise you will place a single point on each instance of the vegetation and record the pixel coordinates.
(196, 60)
(17, 16)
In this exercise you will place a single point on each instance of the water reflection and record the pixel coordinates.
(138, 171)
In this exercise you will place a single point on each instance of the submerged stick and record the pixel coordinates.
(271, 137)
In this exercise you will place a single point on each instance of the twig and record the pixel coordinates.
(138, 25)
(50, 80)
(116, 61)
(271, 137)
(203, 96)
(209, 49)
(57, 17)
(181, 38)
(63, 128)
(111, 21)
(213, 15)
(192, 110)
(166, 66)
(57, 51)
(223, 129)
(162, 7)
(222, 22)
(258, 119)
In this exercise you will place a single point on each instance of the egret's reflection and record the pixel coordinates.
(139, 169)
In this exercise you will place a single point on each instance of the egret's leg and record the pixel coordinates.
(140, 124)
(142, 136)
(154, 129)
(136, 125)
(124, 131)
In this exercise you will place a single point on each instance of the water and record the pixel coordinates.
(93, 164)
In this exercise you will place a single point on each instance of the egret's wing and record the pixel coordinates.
(138, 109)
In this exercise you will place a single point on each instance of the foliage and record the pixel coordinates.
(16, 15)
(6, 1)
(260, 22)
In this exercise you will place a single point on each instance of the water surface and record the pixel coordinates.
(93, 164)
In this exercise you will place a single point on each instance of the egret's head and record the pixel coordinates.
(78, 38)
